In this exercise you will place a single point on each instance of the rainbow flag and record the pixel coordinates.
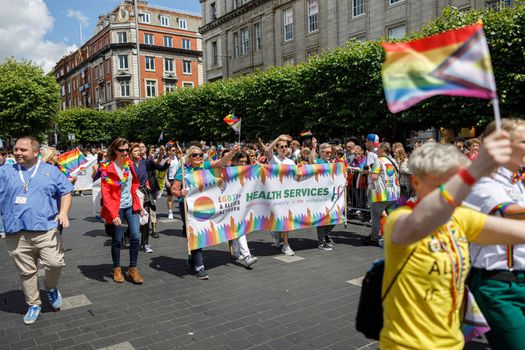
(455, 63)
(70, 161)
(213, 154)
(234, 122)
(306, 134)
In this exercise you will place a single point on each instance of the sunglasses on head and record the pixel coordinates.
(197, 155)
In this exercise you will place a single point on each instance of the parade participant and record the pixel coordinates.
(360, 179)
(120, 201)
(325, 152)
(459, 143)
(473, 148)
(498, 271)
(282, 144)
(401, 159)
(426, 245)
(154, 186)
(35, 198)
(350, 151)
(49, 155)
(174, 165)
(295, 150)
(385, 190)
(196, 156)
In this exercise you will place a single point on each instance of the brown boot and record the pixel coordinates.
(117, 275)
(134, 275)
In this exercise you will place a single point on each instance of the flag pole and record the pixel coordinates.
(240, 125)
(497, 116)
(183, 165)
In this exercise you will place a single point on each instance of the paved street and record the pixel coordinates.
(305, 302)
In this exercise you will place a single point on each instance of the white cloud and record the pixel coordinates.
(78, 16)
(23, 26)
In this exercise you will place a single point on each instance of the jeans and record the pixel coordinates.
(196, 255)
(376, 210)
(323, 231)
(134, 237)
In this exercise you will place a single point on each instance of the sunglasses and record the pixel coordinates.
(197, 155)
(283, 146)
(122, 150)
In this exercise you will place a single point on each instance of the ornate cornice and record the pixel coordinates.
(231, 15)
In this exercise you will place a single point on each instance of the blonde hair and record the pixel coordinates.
(48, 153)
(510, 125)
(435, 159)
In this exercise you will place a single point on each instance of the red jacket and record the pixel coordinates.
(111, 191)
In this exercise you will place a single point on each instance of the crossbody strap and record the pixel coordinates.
(398, 273)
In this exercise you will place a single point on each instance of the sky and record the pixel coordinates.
(43, 31)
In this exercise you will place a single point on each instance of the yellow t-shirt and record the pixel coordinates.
(417, 310)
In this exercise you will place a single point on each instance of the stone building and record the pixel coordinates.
(241, 36)
(103, 72)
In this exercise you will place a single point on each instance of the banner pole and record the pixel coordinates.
(183, 165)
(346, 196)
(497, 116)
(240, 126)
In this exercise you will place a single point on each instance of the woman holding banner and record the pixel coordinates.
(426, 244)
(196, 162)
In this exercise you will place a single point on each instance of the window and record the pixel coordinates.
(148, 39)
(186, 67)
(150, 63)
(213, 11)
(168, 41)
(289, 61)
(498, 4)
(122, 61)
(168, 65)
(183, 24)
(258, 38)
(245, 41)
(187, 84)
(214, 54)
(151, 88)
(107, 66)
(164, 21)
(313, 16)
(144, 17)
(288, 23)
(168, 87)
(101, 69)
(236, 46)
(124, 88)
(392, 2)
(186, 44)
(312, 53)
(358, 8)
(96, 72)
(108, 91)
(106, 41)
(397, 32)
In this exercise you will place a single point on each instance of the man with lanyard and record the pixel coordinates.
(498, 272)
(326, 153)
(35, 198)
(174, 165)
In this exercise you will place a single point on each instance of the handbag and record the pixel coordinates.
(369, 319)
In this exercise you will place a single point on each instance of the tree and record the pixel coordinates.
(29, 99)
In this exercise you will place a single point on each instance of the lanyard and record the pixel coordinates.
(26, 184)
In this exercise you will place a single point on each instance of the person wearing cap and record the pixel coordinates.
(497, 278)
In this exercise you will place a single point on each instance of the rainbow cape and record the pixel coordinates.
(70, 161)
(234, 122)
(455, 63)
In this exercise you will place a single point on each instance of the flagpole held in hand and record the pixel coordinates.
(497, 116)
(183, 165)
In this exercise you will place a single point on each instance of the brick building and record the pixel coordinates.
(103, 72)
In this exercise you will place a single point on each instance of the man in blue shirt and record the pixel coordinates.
(35, 198)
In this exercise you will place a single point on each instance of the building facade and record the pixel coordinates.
(103, 72)
(241, 36)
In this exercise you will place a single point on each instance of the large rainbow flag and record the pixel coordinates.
(70, 161)
(234, 122)
(456, 63)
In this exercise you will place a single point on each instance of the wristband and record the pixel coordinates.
(466, 176)
(448, 197)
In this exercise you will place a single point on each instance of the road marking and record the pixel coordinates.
(74, 302)
(121, 346)
(367, 345)
(289, 259)
(357, 281)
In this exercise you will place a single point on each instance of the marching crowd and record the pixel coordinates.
(443, 196)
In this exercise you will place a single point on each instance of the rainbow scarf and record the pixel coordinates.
(455, 63)
(234, 122)
(71, 161)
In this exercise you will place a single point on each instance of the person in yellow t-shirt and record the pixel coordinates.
(421, 310)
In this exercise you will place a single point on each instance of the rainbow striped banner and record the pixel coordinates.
(224, 204)
(455, 63)
(71, 161)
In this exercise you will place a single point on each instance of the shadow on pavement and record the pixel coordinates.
(341, 237)
(13, 301)
(97, 272)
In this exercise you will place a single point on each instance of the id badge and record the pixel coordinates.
(21, 200)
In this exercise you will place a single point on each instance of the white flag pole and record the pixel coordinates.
(497, 116)
(240, 125)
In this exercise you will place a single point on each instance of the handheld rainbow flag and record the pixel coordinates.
(70, 161)
(234, 122)
(307, 133)
(213, 154)
(455, 63)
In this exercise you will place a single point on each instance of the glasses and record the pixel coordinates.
(123, 150)
(283, 146)
(197, 155)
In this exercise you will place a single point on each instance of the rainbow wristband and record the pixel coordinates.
(448, 197)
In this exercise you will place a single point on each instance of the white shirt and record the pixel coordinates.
(286, 161)
(172, 170)
(486, 195)
(371, 158)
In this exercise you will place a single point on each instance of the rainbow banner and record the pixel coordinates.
(455, 63)
(71, 161)
(234, 122)
(228, 203)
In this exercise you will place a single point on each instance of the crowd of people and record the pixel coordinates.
(426, 237)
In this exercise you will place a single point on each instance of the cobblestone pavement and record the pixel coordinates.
(305, 302)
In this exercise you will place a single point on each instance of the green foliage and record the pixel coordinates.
(336, 94)
(29, 99)
(89, 125)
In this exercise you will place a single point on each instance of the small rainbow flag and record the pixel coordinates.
(213, 154)
(234, 122)
(306, 134)
(70, 161)
(455, 63)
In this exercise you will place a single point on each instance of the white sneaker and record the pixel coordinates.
(247, 261)
(2, 235)
(276, 240)
(147, 249)
(170, 215)
(287, 250)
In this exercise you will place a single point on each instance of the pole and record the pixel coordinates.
(497, 116)
(240, 125)
(138, 47)
(346, 194)
(183, 162)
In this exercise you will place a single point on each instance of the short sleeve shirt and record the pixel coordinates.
(418, 307)
(42, 197)
(189, 169)
(285, 161)
(386, 186)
